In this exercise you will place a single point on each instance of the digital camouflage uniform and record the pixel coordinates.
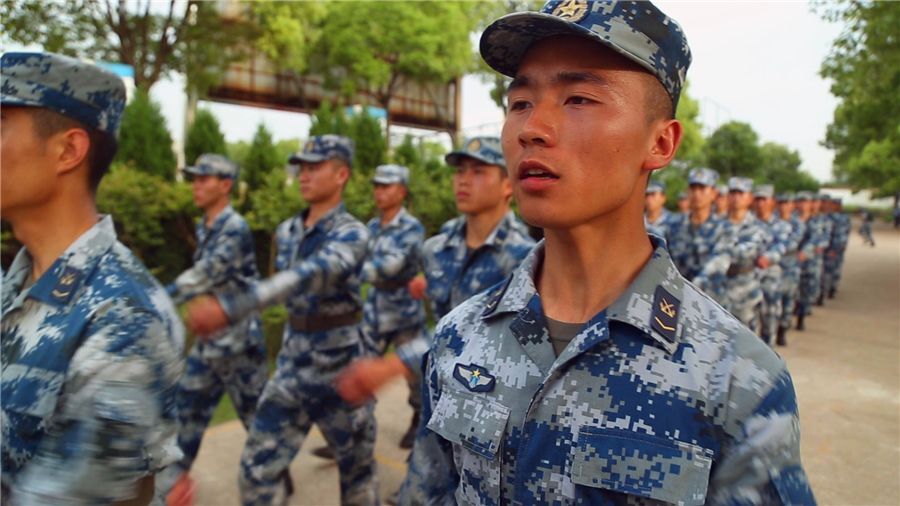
(660, 226)
(791, 269)
(814, 239)
(661, 398)
(824, 222)
(234, 360)
(702, 252)
(453, 273)
(742, 282)
(318, 280)
(834, 254)
(777, 236)
(91, 350)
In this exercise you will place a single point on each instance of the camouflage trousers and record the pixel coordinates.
(744, 298)
(790, 289)
(299, 394)
(832, 272)
(205, 379)
(810, 285)
(770, 311)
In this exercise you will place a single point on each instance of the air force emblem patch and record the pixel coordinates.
(65, 285)
(664, 317)
(474, 377)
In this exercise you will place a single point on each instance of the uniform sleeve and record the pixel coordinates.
(383, 266)
(781, 235)
(431, 478)
(114, 424)
(748, 247)
(720, 258)
(210, 271)
(413, 353)
(338, 259)
(762, 465)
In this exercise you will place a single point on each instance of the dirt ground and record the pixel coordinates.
(846, 369)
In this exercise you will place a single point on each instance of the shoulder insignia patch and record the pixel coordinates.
(474, 377)
(65, 285)
(664, 316)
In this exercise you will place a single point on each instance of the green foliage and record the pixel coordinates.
(204, 136)
(288, 31)
(692, 143)
(431, 182)
(329, 119)
(273, 202)
(153, 217)
(144, 140)
(369, 139)
(260, 159)
(864, 66)
(733, 150)
(780, 166)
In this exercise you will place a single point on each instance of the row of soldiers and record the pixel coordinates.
(764, 257)
(581, 369)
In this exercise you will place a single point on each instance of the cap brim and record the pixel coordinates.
(454, 158)
(191, 170)
(387, 180)
(308, 158)
(18, 101)
(505, 42)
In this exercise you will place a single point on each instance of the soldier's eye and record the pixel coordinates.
(518, 105)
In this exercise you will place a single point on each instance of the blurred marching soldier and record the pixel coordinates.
(748, 235)
(772, 276)
(811, 246)
(657, 218)
(790, 266)
(825, 225)
(722, 203)
(837, 245)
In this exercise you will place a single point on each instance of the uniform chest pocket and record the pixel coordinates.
(636, 464)
(30, 396)
(473, 422)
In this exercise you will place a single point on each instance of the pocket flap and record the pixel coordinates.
(639, 464)
(474, 422)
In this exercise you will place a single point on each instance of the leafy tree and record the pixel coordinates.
(288, 31)
(204, 136)
(154, 38)
(261, 158)
(780, 166)
(329, 119)
(864, 66)
(688, 113)
(144, 140)
(380, 45)
(370, 143)
(733, 150)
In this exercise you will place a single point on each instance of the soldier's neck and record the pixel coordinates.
(388, 215)
(319, 209)
(654, 215)
(479, 226)
(737, 215)
(765, 215)
(213, 211)
(47, 232)
(700, 216)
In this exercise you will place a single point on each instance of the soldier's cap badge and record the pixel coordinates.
(474, 377)
(664, 316)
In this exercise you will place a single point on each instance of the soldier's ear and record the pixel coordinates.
(71, 149)
(664, 142)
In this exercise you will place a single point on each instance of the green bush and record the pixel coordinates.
(144, 140)
(204, 136)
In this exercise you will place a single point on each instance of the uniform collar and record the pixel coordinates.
(220, 220)
(456, 235)
(68, 273)
(651, 303)
(325, 222)
(396, 220)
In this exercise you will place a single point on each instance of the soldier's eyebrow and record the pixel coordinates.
(517, 82)
(581, 77)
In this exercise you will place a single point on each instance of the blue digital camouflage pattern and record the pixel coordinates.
(696, 411)
(740, 184)
(834, 253)
(79, 90)
(702, 253)
(454, 273)
(660, 227)
(232, 361)
(318, 277)
(772, 279)
(639, 31)
(813, 245)
(391, 174)
(485, 149)
(790, 266)
(742, 284)
(393, 259)
(91, 354)
(325, 147)
(705, 177)
(210, 164)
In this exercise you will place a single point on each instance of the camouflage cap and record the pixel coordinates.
(801, 196)
(820, 196)
(76, 89)
(485, 149)
(722, 189)
(655, 187)
(764, 191)
(638, 31)
(705, 177)
(391, 174)
(325, 147)
(210, 164)
(740, 184)
(785, 197)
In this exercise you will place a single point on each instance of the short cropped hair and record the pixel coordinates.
(103, 145)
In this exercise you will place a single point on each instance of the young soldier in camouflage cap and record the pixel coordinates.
(319, 255)
(91, 342)
(596, 374)
(742, 286)
(777, 238)
(234, 361)
(790, 266)
(656, 217)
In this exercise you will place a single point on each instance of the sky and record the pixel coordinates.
(755, 62)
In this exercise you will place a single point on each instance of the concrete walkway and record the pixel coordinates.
(846, 369)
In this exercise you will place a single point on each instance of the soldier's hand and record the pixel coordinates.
(802, 256)
(205, 316)
(417, 286)
(361, 379)
(763, 262)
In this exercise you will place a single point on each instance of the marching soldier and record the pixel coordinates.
(811, 246)
(772, 276)
(744, 293)
(657, 218)
(837, 245)
(790, 266)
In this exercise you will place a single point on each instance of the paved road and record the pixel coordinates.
(846, 369)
